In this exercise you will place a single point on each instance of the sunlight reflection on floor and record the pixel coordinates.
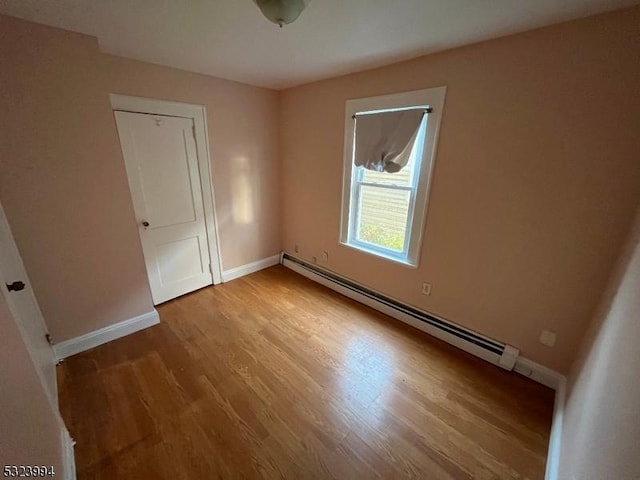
(368, 369)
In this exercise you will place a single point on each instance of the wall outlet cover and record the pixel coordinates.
(548, 338)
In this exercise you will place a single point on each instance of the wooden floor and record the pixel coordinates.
(273, 376)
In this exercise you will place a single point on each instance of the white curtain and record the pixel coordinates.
(384, 141)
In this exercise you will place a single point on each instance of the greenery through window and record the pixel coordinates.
(385, 202)
(384, 206)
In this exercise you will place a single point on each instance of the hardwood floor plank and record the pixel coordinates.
(274, 376)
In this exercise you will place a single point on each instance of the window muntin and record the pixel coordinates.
(404, 194)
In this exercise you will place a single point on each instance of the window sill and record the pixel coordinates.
(381, 254)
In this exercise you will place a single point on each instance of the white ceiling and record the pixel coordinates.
(231, 39)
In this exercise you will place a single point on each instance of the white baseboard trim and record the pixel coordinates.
(69, 459)
(539, 373)
(93, 339)
(252, 267)
(555, 438)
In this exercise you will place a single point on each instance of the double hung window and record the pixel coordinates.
(389, 150)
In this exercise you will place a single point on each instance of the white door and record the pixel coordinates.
(24, 307)
(162, 165)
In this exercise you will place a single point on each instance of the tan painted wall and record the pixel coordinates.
(63, 183)
(30, 431)
(536, 180)
(601, 416)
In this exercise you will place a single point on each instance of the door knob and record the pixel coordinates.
(15, 286)
(145, 224)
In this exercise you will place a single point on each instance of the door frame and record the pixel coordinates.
(8, 244)
(198, 113)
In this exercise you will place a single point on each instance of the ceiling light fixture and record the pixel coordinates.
(281, 12)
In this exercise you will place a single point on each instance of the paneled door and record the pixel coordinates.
(22, 302)
(162, 165)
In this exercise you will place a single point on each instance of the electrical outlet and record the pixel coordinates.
(296, 248)
(548, 338)
(426, 288)
(325, 257)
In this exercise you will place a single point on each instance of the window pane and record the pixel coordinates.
(404, 177)
(383, 217)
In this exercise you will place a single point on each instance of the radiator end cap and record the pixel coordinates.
(509, 357)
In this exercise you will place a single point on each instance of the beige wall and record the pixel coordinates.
(30, 431)
(63, 183)
(536, 178)
(601, 417)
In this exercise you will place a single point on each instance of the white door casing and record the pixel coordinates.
(25, 310)
(164, 178)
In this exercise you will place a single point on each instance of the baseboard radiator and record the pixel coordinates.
(486, 348)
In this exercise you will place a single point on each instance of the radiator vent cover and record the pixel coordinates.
(486, 348)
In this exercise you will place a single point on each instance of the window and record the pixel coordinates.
(389, 150)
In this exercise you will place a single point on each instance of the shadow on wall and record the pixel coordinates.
(602, 422)
(127, 308)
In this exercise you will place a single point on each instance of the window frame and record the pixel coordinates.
(416, 218)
